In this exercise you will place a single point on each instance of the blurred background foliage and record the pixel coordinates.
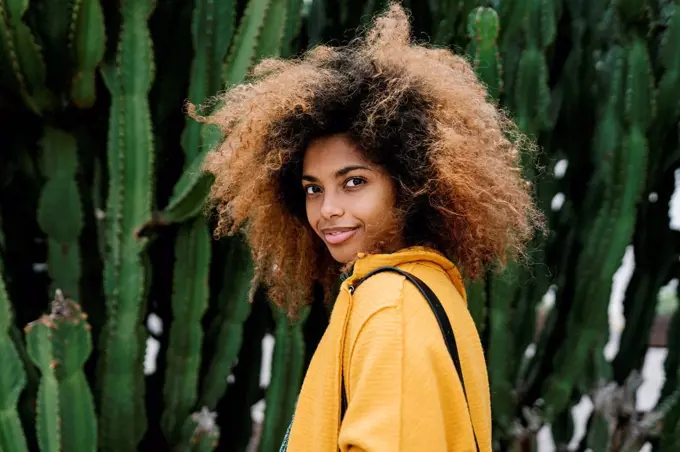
(149, 341)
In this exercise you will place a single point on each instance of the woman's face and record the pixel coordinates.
(350, 201)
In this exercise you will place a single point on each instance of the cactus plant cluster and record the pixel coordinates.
(102, 211)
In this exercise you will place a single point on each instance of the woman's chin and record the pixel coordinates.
(342, 256)
(345, 253)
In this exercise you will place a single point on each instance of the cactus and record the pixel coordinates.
(259, 34)
(24, 56)
(234, 308)
(595, 82)
(293, 23)
(287, 371)
(211, 29)
(12, 381)
(41, 351)
(477, 304)
(60, 214)
(483, 29)
(190, 194)
(87, 42)
(189, 302)
(611, 232)
(200, 433)
(72, 346)
(130, 151)
(59, 344)
(502, 296)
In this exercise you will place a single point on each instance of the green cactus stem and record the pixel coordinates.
(212, 28)
(24, 57)
(87, 43)
(477, 303)
(668, 109)
(12, 381)
(483, 30)
(234, 309)
(531, 92)
(188, 198)
(286, 378)
(640, 99)
(130, 162)
(501, 348)
(246, 42)
(200, 433)
(72, 345)
(611, 233)
(41, 351)
(60, 214)
(293, 24)
(189, 302)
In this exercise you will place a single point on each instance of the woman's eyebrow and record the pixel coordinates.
(347, 169)
(338, 173)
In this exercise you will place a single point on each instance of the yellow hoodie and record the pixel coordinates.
(403, 391)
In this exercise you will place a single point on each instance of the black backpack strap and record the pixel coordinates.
(444, 325)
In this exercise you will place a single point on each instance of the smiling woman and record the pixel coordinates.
(350, 202)
(383, 160)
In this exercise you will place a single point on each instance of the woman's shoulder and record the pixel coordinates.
(390, 290)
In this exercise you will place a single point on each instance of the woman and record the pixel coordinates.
(380, 153)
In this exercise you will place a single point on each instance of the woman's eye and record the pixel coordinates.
(355, 181)
(311, 189)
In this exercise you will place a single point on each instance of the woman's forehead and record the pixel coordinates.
(332, 153)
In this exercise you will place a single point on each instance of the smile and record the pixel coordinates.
(338, 236)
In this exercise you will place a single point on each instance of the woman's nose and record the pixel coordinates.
(331, 207)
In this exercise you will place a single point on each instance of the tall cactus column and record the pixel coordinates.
(212, 29)
(130, 162)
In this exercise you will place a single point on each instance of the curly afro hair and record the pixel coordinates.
(420, 112)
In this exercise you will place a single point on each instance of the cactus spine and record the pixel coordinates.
(131, 158)
(87, 43)
(60, 214)
(12, 381)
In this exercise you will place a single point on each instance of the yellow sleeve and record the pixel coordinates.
(373, 420)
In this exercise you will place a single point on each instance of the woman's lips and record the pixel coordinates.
(338, 236)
